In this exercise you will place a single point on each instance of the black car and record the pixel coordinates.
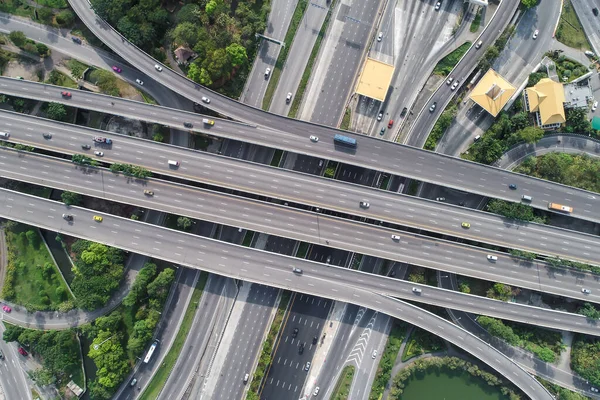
(295, 332)
(187, 124)
(403, 113)
(315, 340)
(512, 186)
(301, 349)
(76, 39)
(595, 11)
(67, 217)
(86, 146)
(47, 135)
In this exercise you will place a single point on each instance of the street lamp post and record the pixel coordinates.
(97, 346)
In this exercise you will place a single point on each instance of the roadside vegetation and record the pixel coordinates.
(476, 22)
(494, 51)
(283, 53)
(343, 384)
(566, 68)
(32, 278)
(450, 364)
(295, 107)
(162, 374)
(57, 351)
(63, 18)
(345, 124)
(585, 358)
(421, 342)
(569, 31)
(390, 353)
(560, 392)
(443, 123)
(544, 343)
(446, 64)
(516, 211)
(19, 39)
(131, 170)
(121, 336)
(264, 360)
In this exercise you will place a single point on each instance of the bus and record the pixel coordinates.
(344, 140)
(150, 352)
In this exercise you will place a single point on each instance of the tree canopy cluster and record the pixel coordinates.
(132, 170)
(57, 350)
(504, 133)
(585, 358)
(518, 211)
(98, 270)
(126, 332)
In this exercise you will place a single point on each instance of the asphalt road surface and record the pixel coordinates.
(275, 270)
(12, 376)
(310, 190)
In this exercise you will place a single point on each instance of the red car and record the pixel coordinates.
(66, 94)
(390, 123)
(6, 309)
(117, 69)
(22, 351)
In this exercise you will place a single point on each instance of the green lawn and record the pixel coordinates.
(421, 342)
(447, 63)
(345, 125)
(36, 277)
(386, 363)
(161, 376)
(476, 22)
(569, 31)
(342, 387)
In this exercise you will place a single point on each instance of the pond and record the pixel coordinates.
(449, 385)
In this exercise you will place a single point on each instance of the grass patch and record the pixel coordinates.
(421, 342)
(384, 370)
(147, 98)
(53, 3)
(330, 169)
(342, 387)
(276, 158)
(162, 374)
(569, 31)
(440, 127)
(447, 63)
(16, 7)
(309, 65)
(57, 78)
(302, 250)
(36, 282)
(345, 125)
(248, 238)
(77, 68)
(476, 22)
(289, 37)
(265, 354)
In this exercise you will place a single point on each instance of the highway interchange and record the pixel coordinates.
(303, 225)
(527, 184)
(262, 267)
(370, 153)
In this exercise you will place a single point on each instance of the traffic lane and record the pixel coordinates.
(589, 21)
(12, 375)
(423, 165)
(329, 194)
(265, 268)
(248, 341)
(288, 370)
(305, 226)
(35, 211)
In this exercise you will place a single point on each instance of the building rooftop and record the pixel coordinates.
(577, 95)
(492, 92)
(374, 80)
(547, 98)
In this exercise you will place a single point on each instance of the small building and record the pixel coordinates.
(578, 95)
(374, 80)
(184, 55)
(492, 92)
(546, 99)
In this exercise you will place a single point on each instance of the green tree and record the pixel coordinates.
(56, 111)
(535, 77)
(590, 311)
(577, 121)
(45, 15)
(12, 333)
(185, 33)
(65, 18)
(158, 137)
(184, 223)
(218, 65)
(32, 237)
(159, 287)
(18, 38)
(519, 211)
(42, 49)
(237, 54)
(497, 328)
(499, 291)
(199, 74)
(110, 359)
(530, 134)
(138, 289)
(211, 7)
(70, 198)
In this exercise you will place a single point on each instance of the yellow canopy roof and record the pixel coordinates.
(492, 92)
(375, 79)
(547, 97)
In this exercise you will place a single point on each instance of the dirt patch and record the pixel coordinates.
(126, 126)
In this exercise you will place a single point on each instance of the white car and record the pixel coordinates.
(589, 53)
(380, 36)
(374, 355)
(438, 5)
(380, 116)
(158, 67)
(416, 290)
(316, 392)
(593, 389)
(449, 81)
(314, 138)
(288, 98)
(492, 258)
(139, 82)
(307, 367)
(535, 34)
(205, 100)
(395, 237)
(267, 72)
(99, 153)
(595, 106)
(432, 108)
(585, 291)
(454, 85)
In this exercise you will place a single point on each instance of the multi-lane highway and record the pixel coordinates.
(263, 267)
(306, 189)
(370, 153)
(304, 226)
(276, 270)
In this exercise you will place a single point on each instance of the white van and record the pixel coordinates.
(4, 135)
(173, 163)
(526, 198)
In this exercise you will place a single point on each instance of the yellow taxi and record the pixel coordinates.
(465, 225)
(97, 218)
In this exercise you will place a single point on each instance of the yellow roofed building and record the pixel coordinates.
(546, 99)
(492, 92)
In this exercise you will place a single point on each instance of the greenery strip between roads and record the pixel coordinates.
(384, 370)
(289, 37)
(162, 374)
(309, 65)
(342, 387)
